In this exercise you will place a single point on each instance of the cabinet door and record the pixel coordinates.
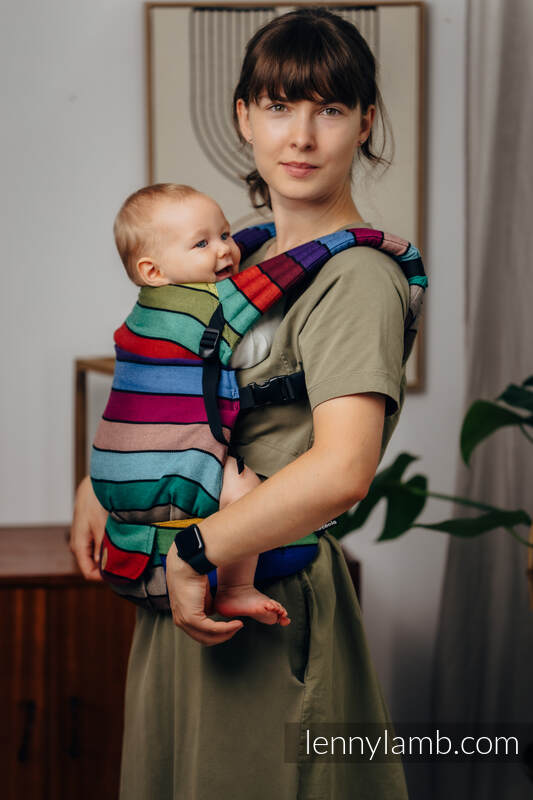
(90, 636)
(23, 701)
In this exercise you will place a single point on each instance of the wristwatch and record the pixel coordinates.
(191, 548)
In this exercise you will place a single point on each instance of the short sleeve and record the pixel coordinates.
(352, 341)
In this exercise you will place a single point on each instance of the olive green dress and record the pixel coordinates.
(209, 722)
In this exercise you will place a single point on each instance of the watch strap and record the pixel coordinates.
(197, 558)
(201, 564)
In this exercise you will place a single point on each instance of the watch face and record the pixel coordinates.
(188, 543)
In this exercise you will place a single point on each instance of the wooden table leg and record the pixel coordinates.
(80, 423)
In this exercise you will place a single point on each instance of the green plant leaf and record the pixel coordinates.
(483, 418)
(385, 481)
(380, 488)
(468, 527)
(517, 396)
(403, 507)
(395, 471)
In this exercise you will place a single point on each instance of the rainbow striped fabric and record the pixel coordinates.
(155, 464)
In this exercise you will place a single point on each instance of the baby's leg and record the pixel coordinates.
(236, 594)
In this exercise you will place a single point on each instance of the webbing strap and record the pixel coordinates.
(209, 346)
(209, 351)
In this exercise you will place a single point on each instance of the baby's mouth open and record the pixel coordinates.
(224, 273)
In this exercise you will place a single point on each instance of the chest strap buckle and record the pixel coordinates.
(277, 390)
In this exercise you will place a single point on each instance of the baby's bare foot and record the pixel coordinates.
(247, 601)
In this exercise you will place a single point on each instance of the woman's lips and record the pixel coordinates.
(298, 172)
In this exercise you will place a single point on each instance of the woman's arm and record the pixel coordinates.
(322, 483)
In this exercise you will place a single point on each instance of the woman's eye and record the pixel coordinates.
(276, 105)
(336, 110)
(201, 243)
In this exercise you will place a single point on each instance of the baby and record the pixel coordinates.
(173, 234)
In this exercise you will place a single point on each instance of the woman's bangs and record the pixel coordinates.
(309, 71)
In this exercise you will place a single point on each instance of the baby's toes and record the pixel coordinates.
(283, 617)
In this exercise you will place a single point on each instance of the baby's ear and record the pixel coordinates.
(149, 273)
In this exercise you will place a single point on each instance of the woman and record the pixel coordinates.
(210, 721)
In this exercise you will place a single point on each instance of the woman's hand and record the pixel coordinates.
(191, 602)
(87, 531)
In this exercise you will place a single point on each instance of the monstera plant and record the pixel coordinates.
(406, 497)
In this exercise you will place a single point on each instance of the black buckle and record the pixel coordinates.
(274, 390)
(209, 343)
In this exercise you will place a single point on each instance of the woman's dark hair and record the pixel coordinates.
(300, 55)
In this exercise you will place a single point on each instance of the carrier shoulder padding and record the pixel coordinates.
(246, 296)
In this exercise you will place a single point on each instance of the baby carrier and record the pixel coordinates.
(159, 452)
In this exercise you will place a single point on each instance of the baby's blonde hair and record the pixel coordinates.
(134, 231)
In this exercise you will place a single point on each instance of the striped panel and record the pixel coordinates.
(411, 254)
(394, 245)
(185, 331)
(181, 329)
(250, 293)
(367, 237)
(120, 566)
(124, 467)
(129, 437)
(251, 239)
(178, 380)
(284, 270)
(127, 355)
(179, 523)
(197, 299)
(193, 304)
(340, 240)
(135, 407)
(150, 346)
(153, 515)
(230, 340)
(174, 490)
(131, 538)
(245, 297)
(149, 591)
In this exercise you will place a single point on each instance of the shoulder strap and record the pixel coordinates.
(246, 296)
(251, 239)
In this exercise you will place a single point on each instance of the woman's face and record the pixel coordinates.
(320, 137)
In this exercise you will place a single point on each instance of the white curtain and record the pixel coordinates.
(484, 654)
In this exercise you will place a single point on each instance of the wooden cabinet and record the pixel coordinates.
(64, 649)
(64, 645)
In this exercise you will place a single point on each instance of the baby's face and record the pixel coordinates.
(195, 245)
